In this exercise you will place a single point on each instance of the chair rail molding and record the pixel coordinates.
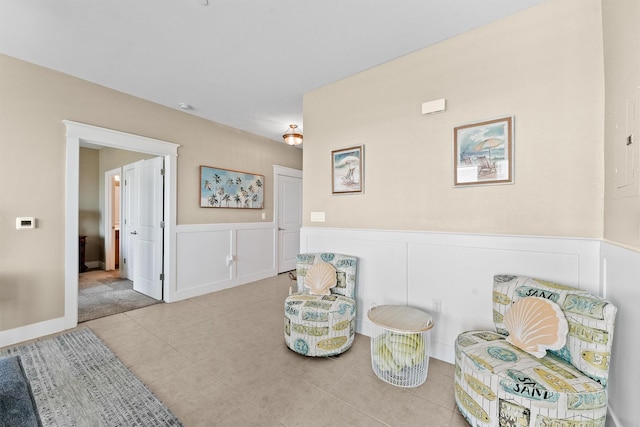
(212, 257)
(451, 272)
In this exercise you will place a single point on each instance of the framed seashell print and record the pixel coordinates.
(225, 188)
(347, 170)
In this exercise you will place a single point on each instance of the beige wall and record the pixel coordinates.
(621, 27)
(89, 216)
(34, 101)
(544, 66)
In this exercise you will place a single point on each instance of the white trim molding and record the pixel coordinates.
(212, 257)
(452, 271)
(80, 134)
(620, 278)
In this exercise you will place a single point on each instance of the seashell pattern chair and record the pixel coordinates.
(555, 374)
(320, 318)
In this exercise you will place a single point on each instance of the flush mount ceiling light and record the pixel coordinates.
(293, 136)
(184, 106)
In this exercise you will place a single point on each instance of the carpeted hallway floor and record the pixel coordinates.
(103, 293)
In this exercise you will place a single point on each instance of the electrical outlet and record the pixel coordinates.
(437, 305)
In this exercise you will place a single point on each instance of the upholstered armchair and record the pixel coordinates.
(547, 364)
(319, 318)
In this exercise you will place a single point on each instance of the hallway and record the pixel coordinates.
(104, 293)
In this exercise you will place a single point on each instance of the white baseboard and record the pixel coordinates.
(416, 269)
(212, 257)
(29, 332)
(451, 272)
(611, 416)
(207, 288)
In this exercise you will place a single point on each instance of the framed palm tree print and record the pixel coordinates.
(224, 188)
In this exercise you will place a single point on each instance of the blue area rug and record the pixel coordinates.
(77, 381)
(17, 406)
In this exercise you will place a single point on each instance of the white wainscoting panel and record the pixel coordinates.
(255, 253)
(385, 281)
(621, 283)
(203, 251)
(201, 260)
(414, 268)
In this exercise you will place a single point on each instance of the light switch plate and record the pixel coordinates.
(317, 216)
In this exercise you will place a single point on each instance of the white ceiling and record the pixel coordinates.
(243, 63)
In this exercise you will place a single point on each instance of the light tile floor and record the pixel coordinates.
(220, 360)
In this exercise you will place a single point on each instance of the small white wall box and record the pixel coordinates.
(434, 106)
(25, 222)
(230, 259)
(317, 217)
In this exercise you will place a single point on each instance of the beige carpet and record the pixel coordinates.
(104, 293)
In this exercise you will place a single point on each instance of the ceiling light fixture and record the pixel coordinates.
(293, 136)
(184, 106)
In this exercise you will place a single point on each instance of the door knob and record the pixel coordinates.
(280, 229)
(134, 232)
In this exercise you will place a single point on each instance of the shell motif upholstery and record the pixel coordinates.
(321, 277)
(324, 324)
(536, 324)
(345, 265)
(497, 383)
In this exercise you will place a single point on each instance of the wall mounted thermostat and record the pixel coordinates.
(25, 222)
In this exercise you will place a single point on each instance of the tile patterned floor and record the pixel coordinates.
(214, 364)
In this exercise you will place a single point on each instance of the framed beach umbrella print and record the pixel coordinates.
(347, 170)
(483, 152)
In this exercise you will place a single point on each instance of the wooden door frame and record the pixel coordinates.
(79, 134)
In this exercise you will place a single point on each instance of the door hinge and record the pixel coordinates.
(124, 260)
(161, 224)
(162, 171)
(161, 276)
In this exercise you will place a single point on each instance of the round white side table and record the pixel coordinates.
(400, 344)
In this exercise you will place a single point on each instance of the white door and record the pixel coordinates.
(147, 227)
(289, 220)
(126, 223)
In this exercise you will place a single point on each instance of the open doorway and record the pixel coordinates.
(111, 218)
(104, 293)
(82, 135)
(104, 288)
